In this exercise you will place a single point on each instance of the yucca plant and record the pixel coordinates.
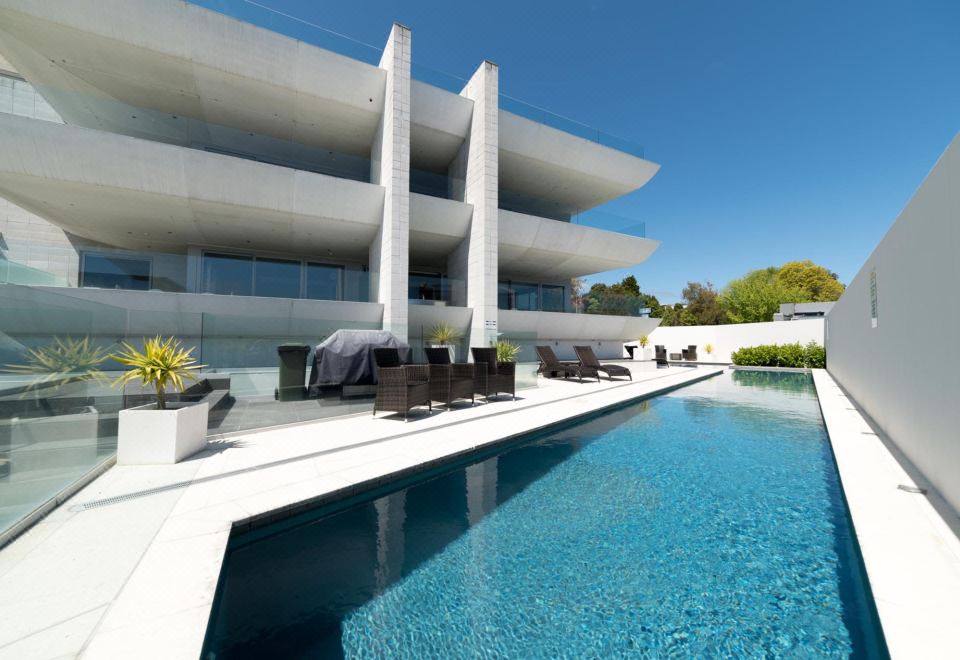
(444, 333)
(643, 341)
(162, 361)
(507, 351)
(61, 362)
(709, 349)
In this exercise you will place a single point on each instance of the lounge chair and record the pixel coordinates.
(589, 359)
(449, 381)
(400, 386)
(491, 377)
(690, 353)
(550, 364)
(661, 356)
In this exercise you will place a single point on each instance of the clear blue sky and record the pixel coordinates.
(785, 130)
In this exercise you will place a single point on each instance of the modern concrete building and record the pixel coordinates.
(176, 164)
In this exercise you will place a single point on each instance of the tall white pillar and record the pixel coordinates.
(390, 168)
(473, 176)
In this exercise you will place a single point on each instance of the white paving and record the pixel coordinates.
(911, 554)
(136, 578)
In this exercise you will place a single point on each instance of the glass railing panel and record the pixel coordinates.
(58, 413)
(567, 125)
(298, 26)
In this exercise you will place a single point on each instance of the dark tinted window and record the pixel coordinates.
(227, 274)
(277, 278)
(324, 282)
(112, 272)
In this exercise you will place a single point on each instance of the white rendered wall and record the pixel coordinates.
(905, 372)
(390, 167)
(475, 260)
(728, 338)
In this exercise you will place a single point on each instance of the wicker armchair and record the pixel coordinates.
(449, 381)
(400, 386)
(492, 377)
(661, 356)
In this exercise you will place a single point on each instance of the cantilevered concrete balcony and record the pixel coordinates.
(542, 167)
(149, 68)
(549, 250)
(145, 195)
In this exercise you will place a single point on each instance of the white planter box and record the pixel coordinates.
(149, 436)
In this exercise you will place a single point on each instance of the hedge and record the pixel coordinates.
(811, 356)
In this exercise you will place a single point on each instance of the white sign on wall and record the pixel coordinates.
(873, 298)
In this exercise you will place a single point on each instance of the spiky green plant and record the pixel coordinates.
(507, 351)
(60, 362)
(162, 361)
(643, 341)
(444, 333)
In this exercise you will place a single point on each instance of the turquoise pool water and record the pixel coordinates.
(708, 522)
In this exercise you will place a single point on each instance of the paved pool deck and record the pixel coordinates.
(128, 567)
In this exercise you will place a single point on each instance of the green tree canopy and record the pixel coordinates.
(704, 303)
(756, 296)
(816, 283)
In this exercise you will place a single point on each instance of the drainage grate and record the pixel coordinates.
(912, 489)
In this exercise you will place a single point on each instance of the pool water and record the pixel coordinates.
(706, 522)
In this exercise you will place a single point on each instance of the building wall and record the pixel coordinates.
(905, 371)
(728, 338)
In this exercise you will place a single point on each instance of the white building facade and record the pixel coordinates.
(205, 177)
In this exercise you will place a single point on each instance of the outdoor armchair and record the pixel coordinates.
(550, 364)
(589, 359)
(690, 353)
(660, 354)
(449, 381)
(491, 377)
(400, 386)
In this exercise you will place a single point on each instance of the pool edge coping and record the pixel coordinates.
(911, 555)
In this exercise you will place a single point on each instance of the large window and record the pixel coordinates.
(107, 271)
(425, 286)
(552, 298)
(227, 274)
(276, 278)
(324, 282)
(244, 275)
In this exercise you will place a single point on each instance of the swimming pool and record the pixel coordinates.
(705, 522)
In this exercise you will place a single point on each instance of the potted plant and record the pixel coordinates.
(709, 349)
(158, 433)
(507, 351)
(644, 352)
(444, 335)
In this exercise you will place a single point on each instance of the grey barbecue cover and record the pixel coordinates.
(346, 357)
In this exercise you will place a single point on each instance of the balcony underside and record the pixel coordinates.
(549, 250)
(146, 195)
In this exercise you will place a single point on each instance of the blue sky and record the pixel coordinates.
(785, 130)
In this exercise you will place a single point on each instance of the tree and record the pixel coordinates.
(577, 286)
(676, 314)
(627, 286)
(756, 296)
(704, 304)
(816, 283)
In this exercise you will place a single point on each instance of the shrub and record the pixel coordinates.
(811, 356)
(162, 361)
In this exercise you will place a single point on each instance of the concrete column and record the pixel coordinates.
(473, 175)
(390, 168)
(391, 539)
(481, 490)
